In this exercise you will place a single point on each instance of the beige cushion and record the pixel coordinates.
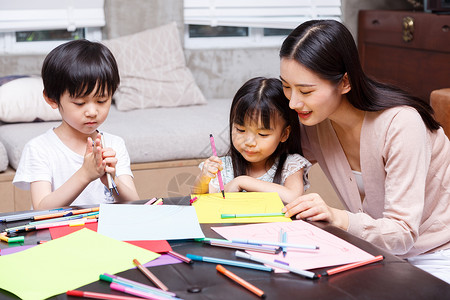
(21, 100)
(153, 70)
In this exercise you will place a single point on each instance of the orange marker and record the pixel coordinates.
(150, 276)
(241, 281)
(352, 265)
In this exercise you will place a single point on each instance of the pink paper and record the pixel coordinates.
(164, 259)
(332, 250)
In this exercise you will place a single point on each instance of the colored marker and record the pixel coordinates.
(247, 247)
(151, 201)
(66, 214)
(283, 239)
(241, 281)
(94, 295)
(180, 257)
(158, 202)
(279, 244)
(135, 292)
(30, 215)
(150, 275)
(307, 274)
(231, 216)
(9, 240)
(352, 266)
(219, 174)
(193, 200)
(229, 262)
(135, 284)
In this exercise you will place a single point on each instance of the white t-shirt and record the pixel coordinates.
(47, 158)
(293, 163)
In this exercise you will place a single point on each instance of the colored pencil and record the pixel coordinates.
(86, 294)
(279, 244)
(150, 275)
(62, 214)
(30, 215)
(241, 281)
(231, 216)
(219, 174)
(352, 266)
(246, 247)
(307, 274)
(111, 184)
(229, 262)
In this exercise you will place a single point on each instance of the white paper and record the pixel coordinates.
(127, 222)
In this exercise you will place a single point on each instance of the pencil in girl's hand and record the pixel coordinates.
(111, 183)
(219, 174)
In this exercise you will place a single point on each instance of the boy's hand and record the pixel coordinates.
(93, 164)
(109, 157)
(210, 168)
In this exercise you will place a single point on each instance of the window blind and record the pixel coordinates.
(23, 15)
(286, 14)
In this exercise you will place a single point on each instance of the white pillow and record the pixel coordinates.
(21, 100)
(153, 71)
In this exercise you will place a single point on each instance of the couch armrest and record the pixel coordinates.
(440, 101)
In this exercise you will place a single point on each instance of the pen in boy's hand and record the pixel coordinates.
(111, 183)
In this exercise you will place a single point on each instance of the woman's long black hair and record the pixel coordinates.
(327, 48)
(262, 99)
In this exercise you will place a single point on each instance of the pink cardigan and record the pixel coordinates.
(406, 175)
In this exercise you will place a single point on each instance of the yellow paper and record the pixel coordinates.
(67, 263)
(209, 207)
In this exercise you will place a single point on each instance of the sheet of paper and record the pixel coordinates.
(209, 207)
(155, 246)
(128, 222)
(332, 250)
(12, 250)
(67, 263)
(164, 259)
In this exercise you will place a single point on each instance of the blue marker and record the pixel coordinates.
(229, 262)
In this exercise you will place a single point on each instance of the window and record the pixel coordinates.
(36, 27)
(249, 23)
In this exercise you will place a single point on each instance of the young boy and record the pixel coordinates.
(68, 165)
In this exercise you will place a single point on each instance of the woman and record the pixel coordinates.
(381, 149)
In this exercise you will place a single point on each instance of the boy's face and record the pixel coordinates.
(84, 114)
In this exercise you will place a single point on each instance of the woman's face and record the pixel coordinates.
(313, 98)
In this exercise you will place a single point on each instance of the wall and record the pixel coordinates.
(219, 73)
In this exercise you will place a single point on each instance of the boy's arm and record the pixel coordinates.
(127, 189)
(293, 186)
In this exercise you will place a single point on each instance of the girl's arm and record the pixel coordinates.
(209, 171)
(292, 189)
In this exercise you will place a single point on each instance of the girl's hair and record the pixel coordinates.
(261, 99)
(327, 48)
(79, 67)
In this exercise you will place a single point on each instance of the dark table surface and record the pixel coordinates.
(392, 278)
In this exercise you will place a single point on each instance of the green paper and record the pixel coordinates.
(67, 263)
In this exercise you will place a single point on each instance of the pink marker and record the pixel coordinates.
(193, 200)
(135, 292)
(219, 174)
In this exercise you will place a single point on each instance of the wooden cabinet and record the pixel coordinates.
(408, 49)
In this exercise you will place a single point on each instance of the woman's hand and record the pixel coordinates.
(312, 207)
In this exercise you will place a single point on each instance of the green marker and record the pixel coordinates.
(232, 216)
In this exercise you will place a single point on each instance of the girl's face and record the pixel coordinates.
(313, 98)
(84, 115)
(256, 143)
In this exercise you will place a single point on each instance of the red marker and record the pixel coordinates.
(352, 265)
(98, 295)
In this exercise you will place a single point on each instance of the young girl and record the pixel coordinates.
(264, 155)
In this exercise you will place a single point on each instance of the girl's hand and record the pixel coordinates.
(312, 207)
(93, 164)
(235, 185)
(210, 168)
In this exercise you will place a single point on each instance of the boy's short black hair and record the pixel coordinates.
(80, 67)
